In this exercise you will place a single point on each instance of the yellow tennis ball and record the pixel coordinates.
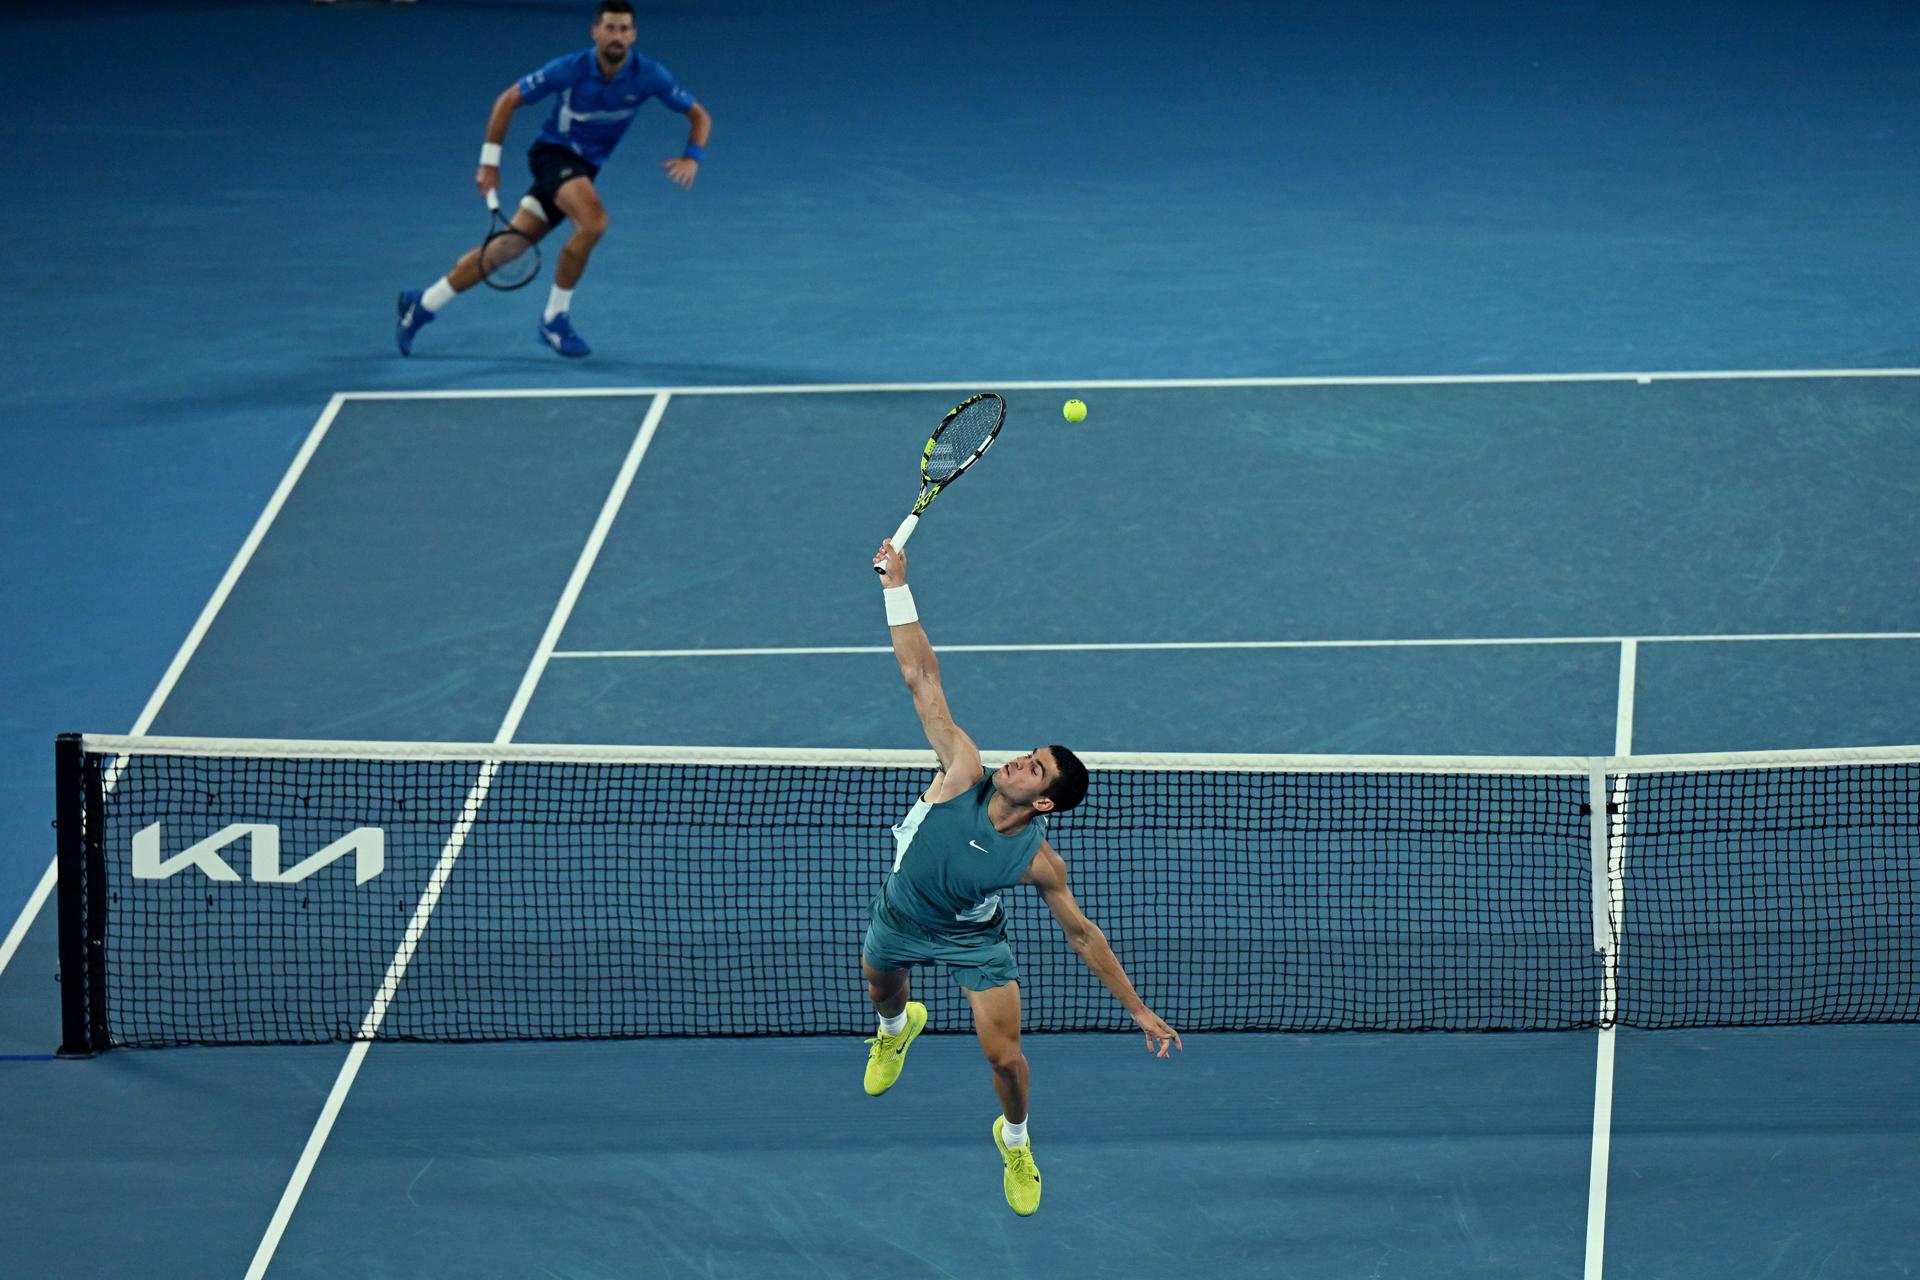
(1074, 411)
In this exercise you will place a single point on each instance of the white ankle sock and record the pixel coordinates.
(438, 295)
(557, 302)
(1014, 1135)
(895, 1025)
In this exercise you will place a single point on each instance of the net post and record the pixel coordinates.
(71, 842)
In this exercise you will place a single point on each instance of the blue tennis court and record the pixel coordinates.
(1501, 385)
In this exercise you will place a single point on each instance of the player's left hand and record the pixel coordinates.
(681, 170)
(1160, 1036)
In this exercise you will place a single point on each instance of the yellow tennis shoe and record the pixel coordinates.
(890, 1052)
(1022, 1178)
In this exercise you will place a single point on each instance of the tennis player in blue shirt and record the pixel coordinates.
(596, 94)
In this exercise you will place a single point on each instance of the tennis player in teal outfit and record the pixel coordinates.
(970, 836)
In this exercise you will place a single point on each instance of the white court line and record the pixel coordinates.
(1177, 645)
(35, 900)
(1139, 384)
(357, 1052)
(591, 552)
(1623, 712)
(192, 642)
(1613, 820)
(1597, 1172)
(456, 841)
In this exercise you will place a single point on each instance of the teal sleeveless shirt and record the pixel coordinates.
(950, 864)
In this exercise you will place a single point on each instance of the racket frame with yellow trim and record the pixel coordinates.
(932, 485)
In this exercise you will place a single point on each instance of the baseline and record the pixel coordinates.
(1125, 384)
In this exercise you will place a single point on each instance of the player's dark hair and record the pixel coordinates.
(1070, 788)
(612, 6)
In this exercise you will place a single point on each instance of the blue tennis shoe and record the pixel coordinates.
(558, 333)
(413, 318)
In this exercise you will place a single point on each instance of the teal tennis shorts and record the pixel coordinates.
(979, 962)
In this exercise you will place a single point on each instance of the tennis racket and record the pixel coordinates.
(960, 440)
(509, 259)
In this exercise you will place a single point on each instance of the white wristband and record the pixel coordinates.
(900, 610)
(490, 154)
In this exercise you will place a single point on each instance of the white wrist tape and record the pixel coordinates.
(490, 154)
(900, 610)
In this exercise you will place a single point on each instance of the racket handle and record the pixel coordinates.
(900, 537)
(493, 199)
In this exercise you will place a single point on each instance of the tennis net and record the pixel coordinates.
(227, 892)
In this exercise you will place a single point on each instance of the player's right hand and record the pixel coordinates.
(892, 564)
(488, 179)
(1160, 1036)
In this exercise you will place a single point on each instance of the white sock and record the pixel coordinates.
(438, 295)
(557, 302)
(1014, 1135)
(895, 1025)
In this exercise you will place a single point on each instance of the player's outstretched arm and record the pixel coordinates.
(959, 757)
(503, 108)
(1048, 874)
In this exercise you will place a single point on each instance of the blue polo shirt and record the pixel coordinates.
(590, 112)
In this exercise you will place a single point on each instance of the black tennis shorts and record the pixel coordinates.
(554, 167)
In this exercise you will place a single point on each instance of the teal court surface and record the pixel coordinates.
(1581, 566)
(1419, 546)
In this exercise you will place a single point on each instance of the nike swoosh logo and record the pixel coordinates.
(982, 848)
